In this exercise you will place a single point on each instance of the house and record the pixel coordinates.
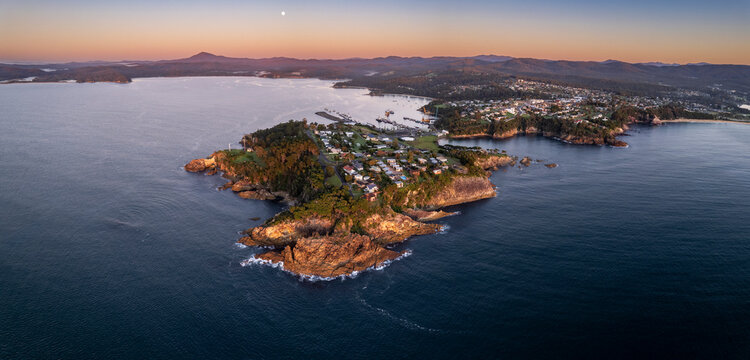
(422, 160)
(349, 170)
(349, 133)
(381, 146)
(442, 158)
(358, 177)
(371, 188)
(437, 171)
(358, 165)
(371, 197)
(399, 184)
(406, 138)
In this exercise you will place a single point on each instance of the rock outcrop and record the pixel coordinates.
(286, 232)
(426, 215)
(260, 194)
(199, 165)
(493, 162)
(328, 256)
(393, 227)
(462, 189)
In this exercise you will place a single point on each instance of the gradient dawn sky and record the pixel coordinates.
(680, 31)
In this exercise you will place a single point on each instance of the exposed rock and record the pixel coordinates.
(493, 162)
(425, 215)
(551, 165)
(226, 185)
(260, 194)
(243, 185)
(329, 256)
(462, 189)
(617, 143)
(199, 165)
(394, 227)
(526, 161)
(286, 232)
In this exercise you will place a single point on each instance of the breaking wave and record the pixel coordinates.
(314, 278)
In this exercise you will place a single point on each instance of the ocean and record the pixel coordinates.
(109, 249)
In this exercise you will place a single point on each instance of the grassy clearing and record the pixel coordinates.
(425, 142)
(334, 181)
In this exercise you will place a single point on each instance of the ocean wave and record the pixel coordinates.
(314, 278)
(444, 229)
(240, 246)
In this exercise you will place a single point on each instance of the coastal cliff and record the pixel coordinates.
(330, 256)
(315, 246)
(462, 190)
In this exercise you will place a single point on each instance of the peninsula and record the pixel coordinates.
(353, 191)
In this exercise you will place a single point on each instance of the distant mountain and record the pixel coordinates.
(492, 58)
(659, 64)
(208, 57)
(610, 74)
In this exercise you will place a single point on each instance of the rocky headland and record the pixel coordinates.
(331, 233)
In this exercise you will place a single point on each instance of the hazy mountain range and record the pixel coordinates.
(612, 73)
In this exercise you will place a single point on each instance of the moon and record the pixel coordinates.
(283, 13)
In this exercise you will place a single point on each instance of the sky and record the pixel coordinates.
(670, 31)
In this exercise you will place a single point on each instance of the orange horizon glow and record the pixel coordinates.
(113, 34)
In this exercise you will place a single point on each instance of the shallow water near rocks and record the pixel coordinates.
(110, 250)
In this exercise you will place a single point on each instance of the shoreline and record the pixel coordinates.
(698, 121)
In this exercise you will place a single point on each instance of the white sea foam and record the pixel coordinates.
(745, 106)
(240, 245)
(313, 278)
(444, 229)
(402, 321)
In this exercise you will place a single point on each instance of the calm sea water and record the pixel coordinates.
(108, 249)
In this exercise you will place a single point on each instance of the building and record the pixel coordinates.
(349, 170)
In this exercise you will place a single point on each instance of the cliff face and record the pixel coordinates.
(395, 227)
(328, 256)
(462, 190)
(286, 232)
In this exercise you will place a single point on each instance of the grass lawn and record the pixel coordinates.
(334, 181)
(425, 142)
(241, 157)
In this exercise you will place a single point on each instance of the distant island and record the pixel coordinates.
(353, 191)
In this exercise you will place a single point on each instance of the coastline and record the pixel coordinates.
(682, 120)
